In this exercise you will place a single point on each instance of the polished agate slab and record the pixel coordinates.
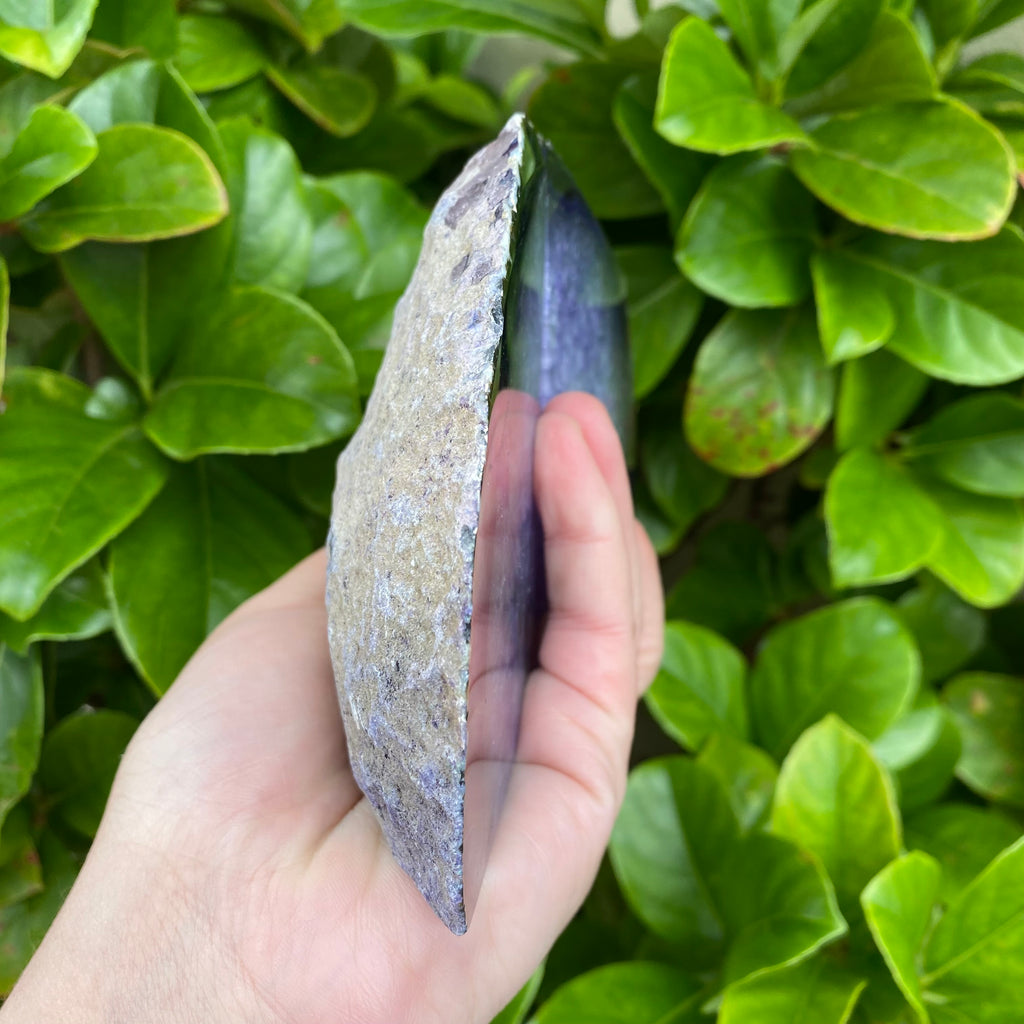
(435, 585)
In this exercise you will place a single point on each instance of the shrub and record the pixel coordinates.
(206, 217)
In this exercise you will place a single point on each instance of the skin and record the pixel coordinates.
(239, 876)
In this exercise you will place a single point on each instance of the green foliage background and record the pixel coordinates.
(207, 212)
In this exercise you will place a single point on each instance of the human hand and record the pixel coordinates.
(238, 875)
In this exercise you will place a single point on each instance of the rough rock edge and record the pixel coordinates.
(403, 529)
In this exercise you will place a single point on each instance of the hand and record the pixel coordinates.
(238, 876)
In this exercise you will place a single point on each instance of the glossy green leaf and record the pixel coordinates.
(52, 148)
(130, 24)
(273, 228)
(663, 308)
(24, 924)
(976, 444)
(956, 308)
(927, 170)
(76, 610)
(216, 52)
(676, 173)
(854, 659)
(753, 900)
(20, 875)
(921, 750)
(212, 539)
(338, 100)
(854, 315)
(881, 525)
(5, 303)
(78, 763)
(462, 101)
(682, 486)
(748, 235)
(948, 631)
(973, 971)
(21, 724)
(963, 838)
(898, 905)
(892, 68)
(814, 991)
(760, 391)
(626, 993)
(993, 84)
(146, 182)
(989, 710)
(367, 233)
(573, 109)
(309, 21)
(562, 22)
(44, 37)
(268, 374)
(876, 394)
(68, 483)
(757, 26)
(707, 102)
(747, 774)
(699, 688)
(836, 800)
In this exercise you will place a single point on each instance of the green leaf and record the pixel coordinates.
(24, 924)
(948, 631)
(898, 906)
(676, 173)
(881, 525)
(927, 170)
(976, 444)
(921, 750)
(220, 538)
(273, 228)
(309, 21)
(20, 876)
(892, 68)
(756, 27)
(52, 148)
(573, 109)
(5, 304)
(974, 949)
(814, 991)
(367, 233)
(760, 391)
(699, 688)
(682, 486)
(876, 394)
(338, 100)
(707, 102)
(824, 38)
(21, 724)
(76, 610)
(992, 84)
(130, 24)
(515, 1012)
(145, 183)
(662, 307)
(989, 710)
(981, 551)
(692, 878)
(747, 774)
(216, 52)
(854, 315)
(956, 308)
(462, 100)
(78, 764)
(963, 838)
(834, 799)
(993, 13)
(268, 374)
(558, 21)
(854, 659)
(68, 483)
(950, 19)
(748, 235)
(44, 37)
(626, 993)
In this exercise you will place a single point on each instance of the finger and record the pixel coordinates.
(651, 634)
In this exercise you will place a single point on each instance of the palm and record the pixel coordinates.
(241, 774)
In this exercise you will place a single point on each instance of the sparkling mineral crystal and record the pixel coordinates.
(435, 586)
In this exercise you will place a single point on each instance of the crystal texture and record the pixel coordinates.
(435, 586)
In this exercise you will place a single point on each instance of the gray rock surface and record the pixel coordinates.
(404, 525)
